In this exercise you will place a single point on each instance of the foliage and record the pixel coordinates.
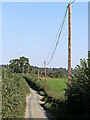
(41, 93)
(78, 93)
(51, 75)
(58, 74)
(20, 65)
(89, 58)
(52, 94)
(53, 71)
(14, 90)
(34, 82)
(53, 98)
(77, 102)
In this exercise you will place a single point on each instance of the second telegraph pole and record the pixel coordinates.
(45, 73)
(38, 74)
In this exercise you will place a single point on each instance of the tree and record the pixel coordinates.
(78, 93)
(20, 65)
(51, 75)
(15, 65)
(58, 74)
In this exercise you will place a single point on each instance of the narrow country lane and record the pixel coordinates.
(34, 109)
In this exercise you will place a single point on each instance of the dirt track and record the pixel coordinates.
(34, 108)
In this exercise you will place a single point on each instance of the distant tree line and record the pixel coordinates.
(22, 65)
(52, 72)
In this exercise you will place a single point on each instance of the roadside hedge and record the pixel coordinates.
(37, 84)
(14, 90)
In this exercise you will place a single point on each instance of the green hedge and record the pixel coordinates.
(34, 82)
(50, 93)
(14, 90)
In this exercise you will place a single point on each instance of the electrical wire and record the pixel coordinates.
(72, 2)
(58, 35)
(54, 41)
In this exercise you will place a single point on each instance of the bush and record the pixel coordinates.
(41, 93)
(52, 76)
(34, 82)
(78, 93)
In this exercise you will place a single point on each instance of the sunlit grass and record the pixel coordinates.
(56, 83)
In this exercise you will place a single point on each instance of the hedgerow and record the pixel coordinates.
(14, 90)
(51, 94)
(34, 82)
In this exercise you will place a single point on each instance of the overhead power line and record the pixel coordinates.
(72, 2)
(58, 35)
(53, 45)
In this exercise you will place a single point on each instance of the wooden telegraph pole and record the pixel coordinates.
(28, 69)
(69, 45)
(45, 73)
(23, 69)
(38, 74)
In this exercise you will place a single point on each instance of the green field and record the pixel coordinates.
(56, 83)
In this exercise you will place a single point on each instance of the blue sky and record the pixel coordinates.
(29, 29)
(89, 26)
